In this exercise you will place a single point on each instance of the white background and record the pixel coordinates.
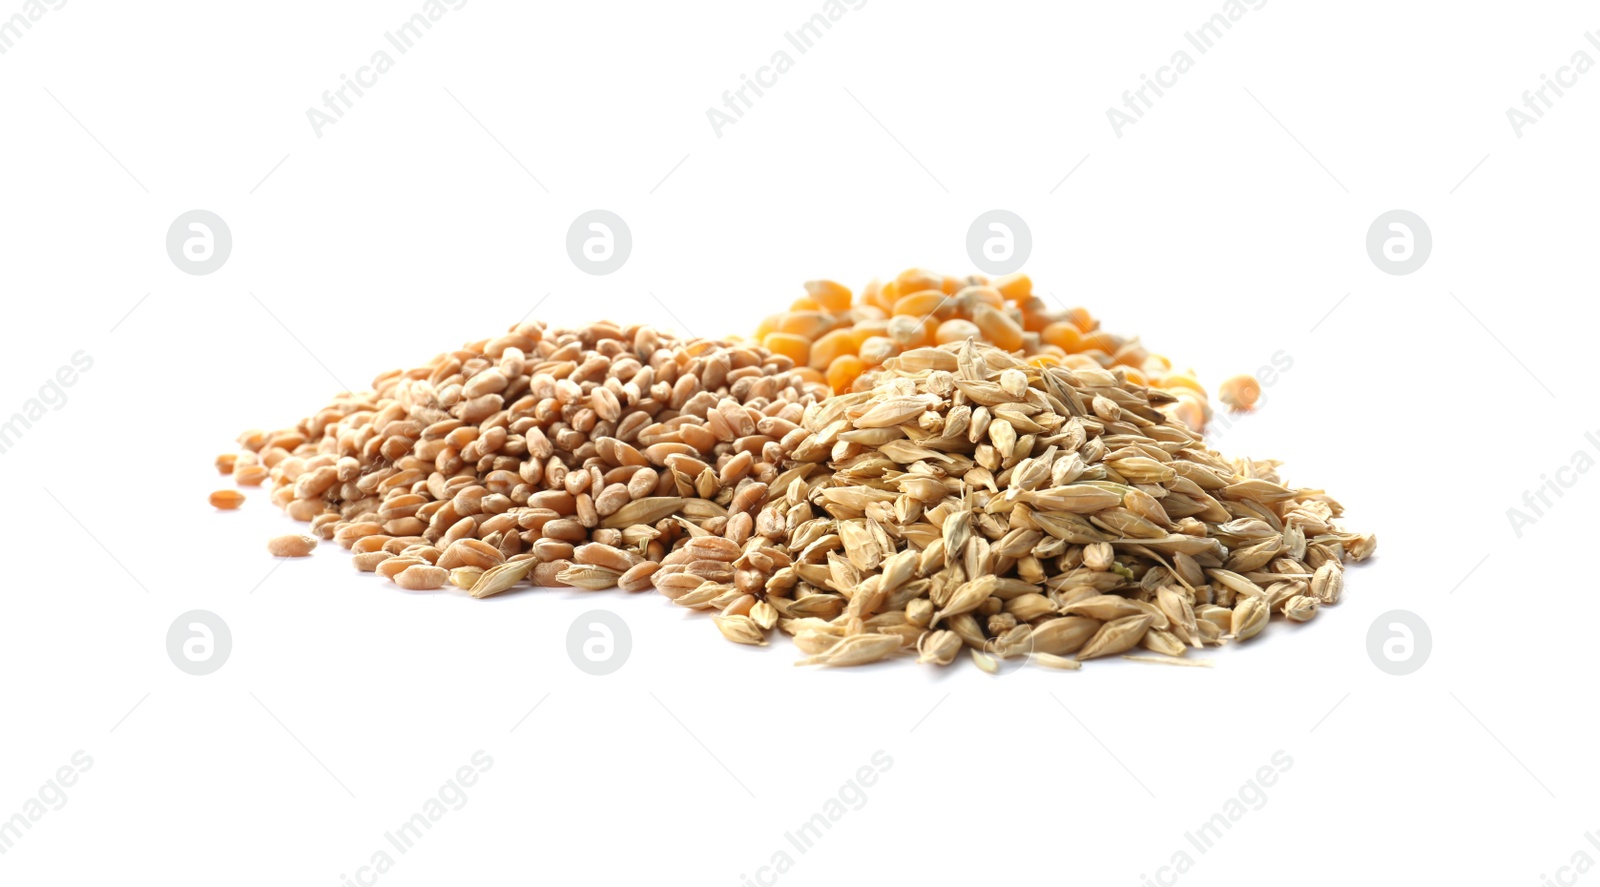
(1222, 228)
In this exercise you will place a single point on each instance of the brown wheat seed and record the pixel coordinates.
(291, 545)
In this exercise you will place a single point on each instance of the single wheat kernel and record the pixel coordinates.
(291, 545)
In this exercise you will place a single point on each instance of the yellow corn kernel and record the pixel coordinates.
(969, 298)
(809, 324)
(913, 279)
(867, 329)
(1045, 359)
(1135, 376)
(1035, 316)
(1015, 287)
(843, 371)
(810, 375)
(957, 330)
(1104, 341)
(1082, 319)
(1240, 392)
(1182, 380)
(1131, 354)
(804, 303)
(831, 296)
(768, 324)
(1004, 332)
(796, 348)
(872, 294)
(924, 303)
(1188, 411)
(1065, 336)
(830, 346)
(950, 285)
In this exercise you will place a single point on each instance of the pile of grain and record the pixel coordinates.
(573, 457)
(972, 499)
(957, 495)
(842, 338)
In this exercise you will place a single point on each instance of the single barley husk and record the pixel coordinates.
(1250, 617)
(501, 578)
(1050, 660)
(858, 649)
(1117, 636)
(741, 630)
(1170, 660)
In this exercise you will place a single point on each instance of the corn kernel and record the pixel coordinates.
(810, 375)
(768, 324)
(1065, 336)
(843, 371)
(796, 348)
(971, 297)
(1240, 392)
(807, 324)
(831, 296)
(995, 326)
(1182, 380)
(1131, 354)
(913, 279)
(924, 303)
(829, 347)
(957, 330)
(866, 329)
(873, 294)
(1015, 287)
